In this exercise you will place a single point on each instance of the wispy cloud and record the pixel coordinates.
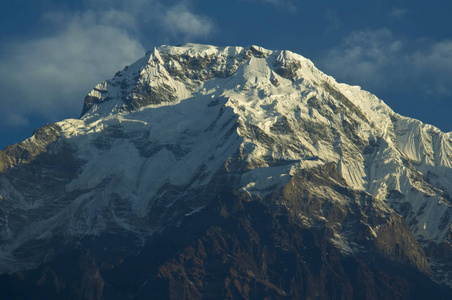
(290, 5)
(333, 21)
(398, 12)
(181, 21)
(363, 57)
(432, 67)
(48, 75)
(381, 61)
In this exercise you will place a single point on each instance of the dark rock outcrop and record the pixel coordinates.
(236, 248)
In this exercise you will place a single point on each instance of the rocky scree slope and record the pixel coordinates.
(157, 144)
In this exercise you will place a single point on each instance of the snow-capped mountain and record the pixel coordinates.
(157, 144)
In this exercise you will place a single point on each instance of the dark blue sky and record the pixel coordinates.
(53, 52)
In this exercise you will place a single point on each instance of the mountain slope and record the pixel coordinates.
(158, 143)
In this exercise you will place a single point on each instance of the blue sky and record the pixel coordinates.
(53, 52)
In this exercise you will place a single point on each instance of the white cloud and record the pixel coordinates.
(287, 4)
(48, 75)
(279, 2)
(381, 61)
(333, 20)
(363, 57)
(398, 12)
(181, 21)
(433, 68)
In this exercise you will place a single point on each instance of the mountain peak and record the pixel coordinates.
(169, 74)
(165, 138)
(286, 110)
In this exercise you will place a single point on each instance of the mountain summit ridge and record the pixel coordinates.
(155, 144)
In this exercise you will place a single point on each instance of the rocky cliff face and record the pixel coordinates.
(232, 173)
